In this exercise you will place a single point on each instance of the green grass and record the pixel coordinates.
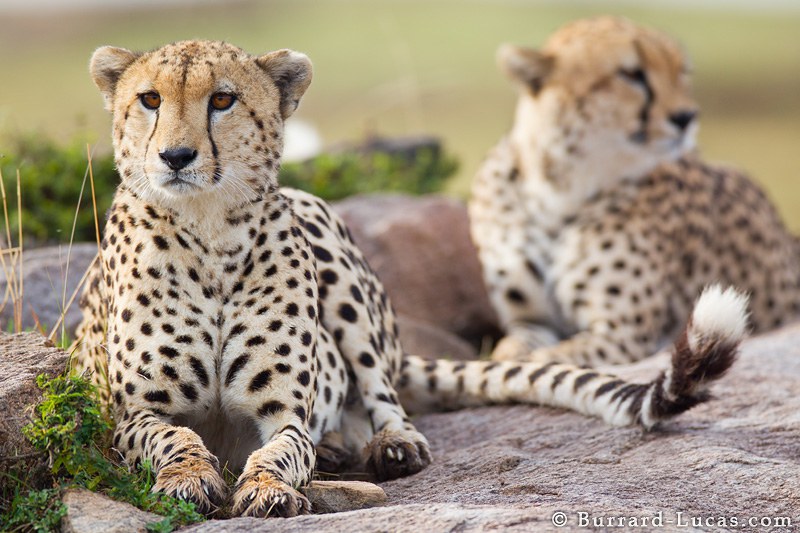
(71, 429)
(413, 66)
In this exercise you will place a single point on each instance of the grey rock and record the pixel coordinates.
(22, 358)
(88, 512)
(513, 468)
(46, 275)
(421, 249)
(340, 496)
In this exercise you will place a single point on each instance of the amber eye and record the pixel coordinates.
(150, 100)
(221, 101)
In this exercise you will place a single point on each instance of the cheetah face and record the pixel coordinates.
(607, 93)
(199, 118)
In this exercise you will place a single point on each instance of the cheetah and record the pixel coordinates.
(233, 323)
(596, 221)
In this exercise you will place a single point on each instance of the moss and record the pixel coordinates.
(70, 427)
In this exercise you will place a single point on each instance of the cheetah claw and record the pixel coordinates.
(194, 480)
(261, 495)
(393, 454)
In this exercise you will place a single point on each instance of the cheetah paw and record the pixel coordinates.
(393, 454)
(195, 480)
(261, 495)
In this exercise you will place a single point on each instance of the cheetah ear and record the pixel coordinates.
(525, 66)
(291, 71)
(106, 66)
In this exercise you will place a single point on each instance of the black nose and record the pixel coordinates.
(682, 119)
(177, 158)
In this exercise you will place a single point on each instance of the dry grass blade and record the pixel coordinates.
(65, 305)
(72, 299)
(10, 265)
(94, 199)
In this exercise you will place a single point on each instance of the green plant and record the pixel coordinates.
(335, 176)
(51, 177)
(71, 428)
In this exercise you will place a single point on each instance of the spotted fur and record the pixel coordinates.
(597, 223)
(233, 323)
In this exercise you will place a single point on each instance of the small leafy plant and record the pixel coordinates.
(71, 428)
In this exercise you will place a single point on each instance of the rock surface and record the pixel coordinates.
(88, 512)
(513, 468)
(22, 358)
(423, 254)
(45, 277)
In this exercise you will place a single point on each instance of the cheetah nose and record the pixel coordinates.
(682, 119)
(177, 158)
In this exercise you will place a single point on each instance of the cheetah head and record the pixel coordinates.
(604, 99)
(199, 120)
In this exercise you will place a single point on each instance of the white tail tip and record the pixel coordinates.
(721, 314)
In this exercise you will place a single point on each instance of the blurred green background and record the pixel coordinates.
(406, 67)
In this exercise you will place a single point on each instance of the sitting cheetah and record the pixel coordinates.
(597, 225)
(233, 320)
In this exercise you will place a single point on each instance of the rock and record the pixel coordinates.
(22, 358)
(340, 496)
(88, 512)
(426, 340)
(45, 274)
(514, 468)
(423, 254)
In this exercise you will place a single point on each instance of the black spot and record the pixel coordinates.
(256, 341)
(292, 309)
(260, 381)
(322, 254)
(329, 276)
(168, 351)
(159, 396)
(304, 378)
(126, 315)
(515, 295)
(161, 242)
(169, 371)
(356, 294)
(199, 371)
(189, 391)
(271, 408)
(283, 349)
(146, 329)
(366, 359)
(347, 312)
(235, 367)
(306, 338)
(275, 325)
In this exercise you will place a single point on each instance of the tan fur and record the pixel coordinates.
(597, 223)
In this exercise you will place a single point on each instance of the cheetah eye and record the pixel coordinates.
(636, 76)
(150, 100)
(221, 101)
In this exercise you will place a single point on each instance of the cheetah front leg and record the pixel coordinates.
(269, 376)
(184, 467)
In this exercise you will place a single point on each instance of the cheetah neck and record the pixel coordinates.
(216, 223)
(560, 173)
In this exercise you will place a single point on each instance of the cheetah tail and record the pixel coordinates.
(703, 353)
